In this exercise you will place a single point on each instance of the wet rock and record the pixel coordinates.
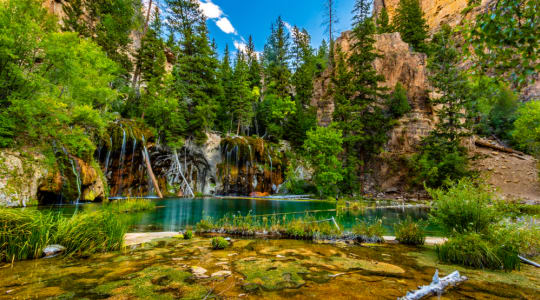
(199, 272)
(53, 250)
(221, 274)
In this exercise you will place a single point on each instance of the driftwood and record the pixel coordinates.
(481, 143)
(530, 262)
(151, 174)
(436, 287)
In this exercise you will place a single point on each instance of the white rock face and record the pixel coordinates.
(20, 177)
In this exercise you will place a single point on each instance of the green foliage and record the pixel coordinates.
(276, 59)
(24, 233)
(504, 40)
(188, 235)
(383, 22)
(355, 90)
(439, 162)
(410, 22)
(131, 205)
(469, 250)
(527, 127)
(372, 231)
(219, 243)
(322, 148)
(92, 232)
(464, 207)
(398, 102)
(274, 112)
(410, 232)
(241, 98)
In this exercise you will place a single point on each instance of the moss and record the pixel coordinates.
(270, 274)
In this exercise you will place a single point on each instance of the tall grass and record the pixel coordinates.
(25, 233)
(131, 205)
(410, 232)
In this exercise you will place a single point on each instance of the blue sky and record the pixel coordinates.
(232, 21)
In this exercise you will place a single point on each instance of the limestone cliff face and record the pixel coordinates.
(436, 12)
(397, 64)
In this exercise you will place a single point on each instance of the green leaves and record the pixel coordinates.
(527, 127)
(409, 21)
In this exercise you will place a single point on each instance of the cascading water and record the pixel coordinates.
(121, 164)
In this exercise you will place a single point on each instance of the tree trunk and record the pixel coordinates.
(152, 176)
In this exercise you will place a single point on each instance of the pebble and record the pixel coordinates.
(199, 272)
(221, 274)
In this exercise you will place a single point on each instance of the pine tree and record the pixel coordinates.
(410, 22)
(242, 98)
(356, 91)
(383, 22)
(195, 72)
(253, 64)
(276, 60)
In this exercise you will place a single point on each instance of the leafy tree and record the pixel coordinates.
(322, 147)
(398, 102)
(356, 91)
(274, 112)
(409, 21)
(527, 127)
(504, 40)
(383, 22)
(277, 59)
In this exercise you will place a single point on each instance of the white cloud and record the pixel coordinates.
(225, 25)
(240, 46)
(288, 26)
(210, 10)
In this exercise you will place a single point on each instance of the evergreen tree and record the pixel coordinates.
(253, 64)
(242, 98)
(322, 57)
(225, 117)
(383, 22)
(356, 90)
(195, 72)
(277, 59)
(398, 102)
(410, 22)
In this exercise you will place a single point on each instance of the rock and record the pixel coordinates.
(199, 272)
(221, 274)
(53, 250)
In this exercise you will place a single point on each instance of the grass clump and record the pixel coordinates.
(188, 235)
(370, 231)
(219, 243)
(409, 232)
(92, 232)
(131, 205)
(24, 233)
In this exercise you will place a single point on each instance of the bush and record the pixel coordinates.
(24, 233)
(92, 232)
(373, 231)
(188, 235)
(439, 162)
(410, 232)
(527, 127)
(219, 243)
(464, 207)
(398, 102)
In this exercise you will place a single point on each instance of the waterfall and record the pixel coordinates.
(121, 164)
(77, 178)
(107, 159)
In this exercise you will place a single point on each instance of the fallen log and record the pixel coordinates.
(481, 143)
(151, 173)
(530, 262)
(436, 287)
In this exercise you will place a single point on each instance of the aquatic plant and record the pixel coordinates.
(131, 205)
(24, 233)
(370, 231)
(219, 243)
(188, 235)
(91, 232)
(410, 232)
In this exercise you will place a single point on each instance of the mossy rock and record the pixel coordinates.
(271, 275)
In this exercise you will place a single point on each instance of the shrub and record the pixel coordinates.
(92, 232)
(24, 233)
(219, 243)
(464, 207)
(410, 232)
(398, 103)
(296, 228)
(373, 231)
(188, 235)
(469, 250)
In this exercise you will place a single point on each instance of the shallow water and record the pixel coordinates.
(174, 214)
(252, 269)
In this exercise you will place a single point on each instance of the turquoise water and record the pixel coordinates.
(175, 214)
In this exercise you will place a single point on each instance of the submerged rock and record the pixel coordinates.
(53, 250)
(199, 272)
